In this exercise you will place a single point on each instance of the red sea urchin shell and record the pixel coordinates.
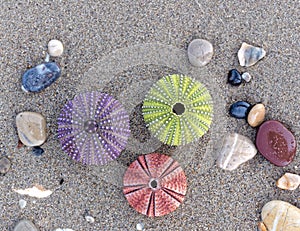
(154, 184)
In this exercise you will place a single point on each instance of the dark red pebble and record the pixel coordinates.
(276, 143)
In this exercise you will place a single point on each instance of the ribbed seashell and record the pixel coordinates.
(154, 184)
(93, 128)
(178, 110)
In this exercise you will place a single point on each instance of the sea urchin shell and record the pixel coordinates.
(93, 128)
(154, 184)
(178, 110)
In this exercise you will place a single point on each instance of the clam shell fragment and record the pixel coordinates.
(248, 55)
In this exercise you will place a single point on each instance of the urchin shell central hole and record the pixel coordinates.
(178, 108)
(153, 183)
(91, 126)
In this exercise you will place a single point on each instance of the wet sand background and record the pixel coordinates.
(90, 31)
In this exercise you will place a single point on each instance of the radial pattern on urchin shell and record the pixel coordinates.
(178, 110)
(154, 184)
(93, 128)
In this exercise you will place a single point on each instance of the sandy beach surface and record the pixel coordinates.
(122, 48)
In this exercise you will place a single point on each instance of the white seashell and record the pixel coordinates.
(200, 52)
(37, 191)
(248, 55)
(55, 48)
(288, 181)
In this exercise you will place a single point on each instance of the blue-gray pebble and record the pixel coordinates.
(37, 151)
(239, 109)
(234, 77)
(38, 78)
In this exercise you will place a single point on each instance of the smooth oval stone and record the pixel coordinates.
(239, 109)
(200, 52)
(288, 181)
(280, 215)
(248, 55)
(234, 77)
(37, 151)
(256, 115)
(38, 78)
(25, 225)
(276, 143)
(55, 48)
(31, 128)
(4, 165)
(235, 150)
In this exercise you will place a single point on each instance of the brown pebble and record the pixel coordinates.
(256, 115)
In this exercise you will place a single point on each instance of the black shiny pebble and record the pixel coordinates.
(239, 109)
(234, 77)
(37, 151)
(38, 78)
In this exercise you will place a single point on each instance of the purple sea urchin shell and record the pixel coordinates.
(93, 128)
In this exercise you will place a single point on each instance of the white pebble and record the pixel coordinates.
(22, 203)
(140, 226)
(247, 77)
(90, 219)
(55, 48)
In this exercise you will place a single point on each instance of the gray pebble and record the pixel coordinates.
(22, 203)
(247, 77)
(200, 52)
(4, 165)
(25, 225)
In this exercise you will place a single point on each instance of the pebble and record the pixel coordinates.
(248, 55)
(140, 226)
(22, 203)
(288, 181)
(89, 219)
(39, 77)
(200, 52)
(280, 215)
(276, 143)
(63, 229)
(37, 151)
(31, 128)
(235, 150)
(25, 225)
(256, 115)
(5, 165)
(247, 77)
(55, 48)
(239, 109)
(234, 77)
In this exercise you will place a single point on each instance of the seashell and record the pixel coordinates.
(93, 128)
(37, 191)
(178, 110)
(154, 184)
(40, 77)
(288, 181)
(248, 55)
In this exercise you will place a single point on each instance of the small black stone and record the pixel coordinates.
(37, 151)
(234, 77)
(38, 78)
(61, 181)
(239, 109)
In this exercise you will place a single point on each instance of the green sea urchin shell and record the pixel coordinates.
(178, 110)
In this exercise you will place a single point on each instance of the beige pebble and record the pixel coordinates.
(235, 150)
(288, 181)
(280, 215)
(55, 48)
(200, 52)
(256, 115)
(31, 128)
